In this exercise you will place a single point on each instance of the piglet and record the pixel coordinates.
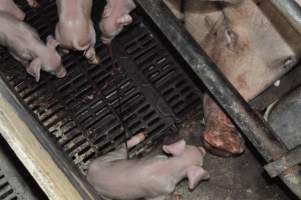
(75, 29)
(10, 7)
(25, 45)
(115, 17)
(115, 177)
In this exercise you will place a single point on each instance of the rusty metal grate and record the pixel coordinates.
(89, 112)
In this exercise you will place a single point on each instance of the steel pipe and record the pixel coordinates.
(291, 10)
(288, 161)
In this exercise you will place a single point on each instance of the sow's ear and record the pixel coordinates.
(195, 174)
(175, 149)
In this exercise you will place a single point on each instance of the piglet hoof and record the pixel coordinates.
(106, 39)
(97, 60)
(61, 73)
(136, 140)
(94, 61)
(33, 3)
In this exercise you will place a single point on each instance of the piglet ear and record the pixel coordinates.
(51, 42)
(195, 174)
(175, 149)
(107, 10)
(34, 68)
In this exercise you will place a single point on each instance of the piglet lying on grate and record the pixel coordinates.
(115, 177)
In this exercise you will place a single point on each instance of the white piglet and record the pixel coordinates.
(116, 15)
(75, 29)
(25, 45)
(115, 177)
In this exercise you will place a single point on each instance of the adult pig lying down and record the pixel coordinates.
(25, 45)
(115, 177)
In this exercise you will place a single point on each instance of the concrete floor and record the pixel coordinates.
(236, 178)
(240, 178)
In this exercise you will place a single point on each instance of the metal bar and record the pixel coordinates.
(288, 161)
(287, 83)
(253, 126)
(291, 10)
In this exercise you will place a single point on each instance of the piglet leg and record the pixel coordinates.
(90, 53)
(121, 153)
(91, 56)
(136, 140)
